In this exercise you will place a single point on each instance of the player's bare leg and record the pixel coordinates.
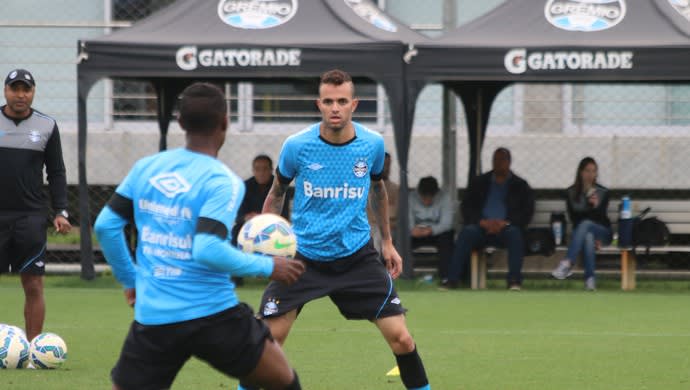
(273, 371)
(398, 337)
(394, 330)
(34, 304)
(280, 326)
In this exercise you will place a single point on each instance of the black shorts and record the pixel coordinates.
(358, 284)
(23, 244)
(231, 341)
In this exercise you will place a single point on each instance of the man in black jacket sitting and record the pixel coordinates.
(496, 209)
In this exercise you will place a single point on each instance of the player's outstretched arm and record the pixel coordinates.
(109, 230)
(286, 270)
(218, 254)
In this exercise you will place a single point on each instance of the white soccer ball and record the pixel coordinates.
(48, 350)
(11, 328)
(14, 349)
(269, 234)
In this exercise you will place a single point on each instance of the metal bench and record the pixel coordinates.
(675, 213)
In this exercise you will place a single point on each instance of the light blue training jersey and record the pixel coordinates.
(331, 190)
(170, 191)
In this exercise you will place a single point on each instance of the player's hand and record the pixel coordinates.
(486, 224)
(597, 244)
(420, 231)
(287, 270)
(130, 296)
(593, 199)
(392, 258)
(61, 225)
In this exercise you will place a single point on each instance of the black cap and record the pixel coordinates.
(22, 75)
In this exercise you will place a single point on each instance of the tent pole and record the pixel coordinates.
(449, 143)
(163, 119)
(479, 111)
(86, 250)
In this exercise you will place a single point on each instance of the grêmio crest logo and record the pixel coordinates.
(372, 14)
(518, 61)
(190, 58)
(682, 6)
(256, 14)
(585, 15)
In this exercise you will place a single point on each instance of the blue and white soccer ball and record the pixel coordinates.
(14, 348)
(11, 328)
(269, 234)
(48, 350)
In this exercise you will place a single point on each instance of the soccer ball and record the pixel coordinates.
(11, 328)
(48, 350)
(14, 349)
(269, 234)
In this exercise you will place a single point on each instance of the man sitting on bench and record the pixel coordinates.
(496, 209)
(431, 221)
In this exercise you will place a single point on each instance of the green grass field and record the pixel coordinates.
(549, 336)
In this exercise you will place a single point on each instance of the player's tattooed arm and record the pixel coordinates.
(275, 198)
(379, 205)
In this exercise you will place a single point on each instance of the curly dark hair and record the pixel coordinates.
(202, 108)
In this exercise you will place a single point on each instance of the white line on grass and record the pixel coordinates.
(501, 332)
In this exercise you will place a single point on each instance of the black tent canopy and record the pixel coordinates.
(553, 41)
(226, 39)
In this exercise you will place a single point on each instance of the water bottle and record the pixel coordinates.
(625, 223)
(557, 227)
(626, 210)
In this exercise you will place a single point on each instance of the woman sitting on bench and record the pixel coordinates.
(587, 203)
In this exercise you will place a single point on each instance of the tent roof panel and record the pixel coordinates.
(314, 22)
(524, 23)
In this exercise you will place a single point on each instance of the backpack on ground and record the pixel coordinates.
(539, 241)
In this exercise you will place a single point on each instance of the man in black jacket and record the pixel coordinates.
(496, 209)
(29, 141)
(257, 188)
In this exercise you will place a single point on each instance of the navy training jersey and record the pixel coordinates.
(331, 189)
(170, 191)
(26, 146)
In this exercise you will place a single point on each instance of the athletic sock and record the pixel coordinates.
(412, 371)
(295, 385)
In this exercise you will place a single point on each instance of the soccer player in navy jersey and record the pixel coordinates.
(334, 164)
(183, 203)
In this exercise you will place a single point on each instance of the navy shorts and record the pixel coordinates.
(359, 285)
(231, 341)
(23, 244)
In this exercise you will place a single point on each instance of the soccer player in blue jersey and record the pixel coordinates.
(333, 164)
(183, 203)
